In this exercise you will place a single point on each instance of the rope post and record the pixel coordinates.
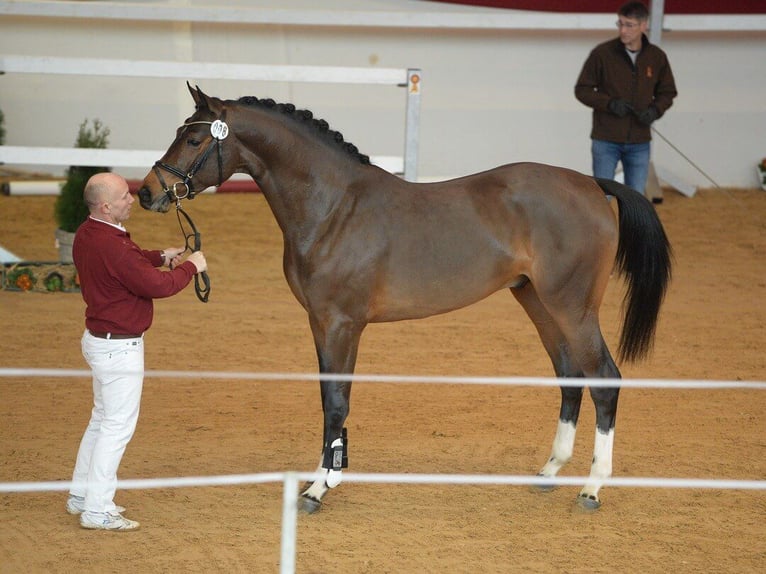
(412, 124)
(289, 523)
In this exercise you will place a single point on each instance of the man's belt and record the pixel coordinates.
(115, 335)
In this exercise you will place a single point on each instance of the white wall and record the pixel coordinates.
(490, 96)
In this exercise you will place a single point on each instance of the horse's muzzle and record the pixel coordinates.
(145, 199)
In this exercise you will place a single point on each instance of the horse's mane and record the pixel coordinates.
(306, 117)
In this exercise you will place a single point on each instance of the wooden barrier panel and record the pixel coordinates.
(410, 79)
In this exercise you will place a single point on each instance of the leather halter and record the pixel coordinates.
(201, 280)
(186, 176)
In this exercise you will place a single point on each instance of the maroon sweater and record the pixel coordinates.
(118, 279)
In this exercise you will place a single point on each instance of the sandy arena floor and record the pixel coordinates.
(713, 326)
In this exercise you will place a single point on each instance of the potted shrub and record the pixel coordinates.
(70, 209)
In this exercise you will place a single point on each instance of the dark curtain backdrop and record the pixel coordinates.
(611, 6)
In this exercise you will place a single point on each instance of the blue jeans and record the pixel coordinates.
(634, 158)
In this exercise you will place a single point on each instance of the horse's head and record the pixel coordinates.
(197, 159)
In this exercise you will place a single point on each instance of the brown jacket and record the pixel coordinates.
(608, 73)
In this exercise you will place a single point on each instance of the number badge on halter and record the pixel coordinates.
(219, 129)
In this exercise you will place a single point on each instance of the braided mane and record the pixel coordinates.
(306, 117)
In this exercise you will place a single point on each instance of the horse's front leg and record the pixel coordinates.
(337, 342)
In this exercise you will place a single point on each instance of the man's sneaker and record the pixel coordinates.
(107, 521)
(76, 505)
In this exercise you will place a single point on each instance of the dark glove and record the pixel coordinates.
(647, 116)
(619, 107)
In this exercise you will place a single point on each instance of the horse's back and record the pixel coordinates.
(449, 244)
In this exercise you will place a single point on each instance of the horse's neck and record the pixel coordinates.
(295, 208)
(303, 179)
(304, 200)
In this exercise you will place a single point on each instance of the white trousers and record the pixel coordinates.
(118, 376)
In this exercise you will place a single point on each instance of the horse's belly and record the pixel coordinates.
(422, 295)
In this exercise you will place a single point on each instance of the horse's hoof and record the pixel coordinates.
(543, 487)
(587, 503)
(309, 505)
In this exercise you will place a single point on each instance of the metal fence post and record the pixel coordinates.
(289, 523)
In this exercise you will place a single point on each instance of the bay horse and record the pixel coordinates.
(363, 246)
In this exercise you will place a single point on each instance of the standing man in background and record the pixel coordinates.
(629, 84)
(118, 281)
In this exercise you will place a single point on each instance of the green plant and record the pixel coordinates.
(70, 209)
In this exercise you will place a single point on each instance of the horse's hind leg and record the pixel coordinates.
(571, 396)
(605, 400)
(590, 351)
(568, 324)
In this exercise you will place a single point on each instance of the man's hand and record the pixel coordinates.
(198, 258)
(170, 256)
(619, 107)
(648, 115)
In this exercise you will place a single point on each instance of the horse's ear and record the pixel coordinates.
(194, 93)
(202, 100)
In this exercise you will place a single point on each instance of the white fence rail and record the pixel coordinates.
(411, 79)
(291, 480)
(122, 157)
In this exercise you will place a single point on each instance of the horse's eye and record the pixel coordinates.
(193, 142)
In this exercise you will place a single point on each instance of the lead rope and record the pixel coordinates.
(201, 280)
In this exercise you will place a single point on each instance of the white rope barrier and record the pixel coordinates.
(406, 379)
(290, 480)
(393, 478)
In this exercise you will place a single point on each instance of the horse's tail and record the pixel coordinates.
(644, 259)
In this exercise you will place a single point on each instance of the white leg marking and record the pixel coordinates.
(601, 468)
(319, 487)
(563, 446)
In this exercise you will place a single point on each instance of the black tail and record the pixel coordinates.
(644, 259)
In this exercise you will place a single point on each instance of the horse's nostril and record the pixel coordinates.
(145, 197)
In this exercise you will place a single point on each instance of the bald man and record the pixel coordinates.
(119, 282)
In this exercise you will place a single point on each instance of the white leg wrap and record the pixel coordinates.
(563, 447)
